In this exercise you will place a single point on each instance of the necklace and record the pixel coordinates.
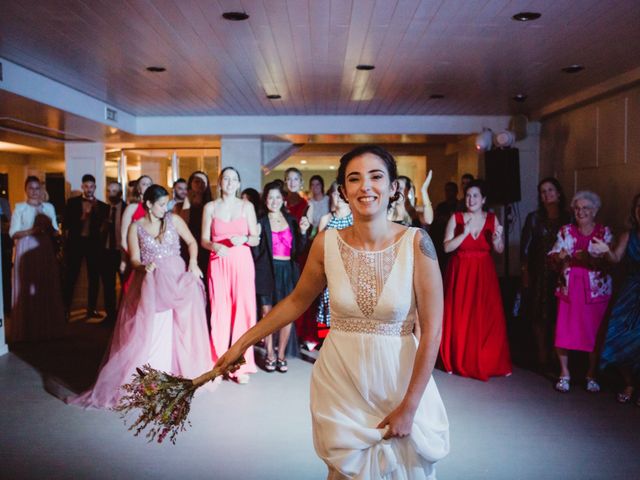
(276, 218)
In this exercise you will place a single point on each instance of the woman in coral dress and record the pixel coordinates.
(229, 228)
(376, 411)
(162, 319)
(474, 337)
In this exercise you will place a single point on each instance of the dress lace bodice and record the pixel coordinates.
(371, 292)
(152, 250)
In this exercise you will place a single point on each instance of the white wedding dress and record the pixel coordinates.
(365, 366)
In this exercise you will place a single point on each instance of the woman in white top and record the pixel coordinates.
(376, 412)
(37, 311)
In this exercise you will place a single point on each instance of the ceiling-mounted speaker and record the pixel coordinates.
(518, 125)
(504, 139)
(502, 175)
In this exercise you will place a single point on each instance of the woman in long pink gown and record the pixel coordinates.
(162, 319)
(229, 228)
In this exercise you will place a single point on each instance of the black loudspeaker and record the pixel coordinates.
(502, 175)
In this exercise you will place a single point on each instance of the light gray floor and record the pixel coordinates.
(508, 428)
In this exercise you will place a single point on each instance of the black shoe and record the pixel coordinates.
(281, 366)
(93, 314)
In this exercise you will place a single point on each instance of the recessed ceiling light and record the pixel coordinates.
(156, 69)
(303, 162)
(519, 97)
(274, 96)
(436, 96)
(365, 67)
(235, 16)
(526, 16)
(575, 68)
(332, 167)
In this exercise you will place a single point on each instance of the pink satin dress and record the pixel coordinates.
(232, 293)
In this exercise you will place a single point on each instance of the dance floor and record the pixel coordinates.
(509, 428)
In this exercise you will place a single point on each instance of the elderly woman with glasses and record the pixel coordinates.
(582, 255)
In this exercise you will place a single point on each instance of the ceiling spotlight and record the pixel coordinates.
(365, 67)
(274, 96)
(235, 16)
(484, 140)
(519, 97)
(332, 167)
(303, 162)
(575, 68)
(436, 96)
(526, 16)
(156, 69)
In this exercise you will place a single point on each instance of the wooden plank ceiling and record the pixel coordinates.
(470, 51)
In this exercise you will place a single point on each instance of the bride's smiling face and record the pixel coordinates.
(368, 186)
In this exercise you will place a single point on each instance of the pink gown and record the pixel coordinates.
(161, 321)
(232, 290)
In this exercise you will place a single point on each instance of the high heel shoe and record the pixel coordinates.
(625, 395)
(281, 366)
(563, 384)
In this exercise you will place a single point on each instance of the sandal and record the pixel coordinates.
(269, 365)
(281, 365)
(563, 384)
(592, 385)
(625, 395)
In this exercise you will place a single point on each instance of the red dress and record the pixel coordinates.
(474, 337)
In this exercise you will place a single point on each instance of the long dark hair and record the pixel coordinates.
(562, 202)
(254, 197)
(381, 153)
(265, 194)
(153, 194)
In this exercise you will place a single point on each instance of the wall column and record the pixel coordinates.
(81, 158)
(3, 342)
(245, 155)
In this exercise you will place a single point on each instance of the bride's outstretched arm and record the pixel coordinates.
(427, 284)
(311, 283)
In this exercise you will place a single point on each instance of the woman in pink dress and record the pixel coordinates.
(162, 319)
(582, 254)
(229, 228)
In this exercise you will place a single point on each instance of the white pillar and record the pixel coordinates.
(244, 154)
(82, 158)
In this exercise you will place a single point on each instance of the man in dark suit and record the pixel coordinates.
(85, 220)
(110, 265)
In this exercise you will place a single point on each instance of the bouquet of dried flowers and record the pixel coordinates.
(164, 401)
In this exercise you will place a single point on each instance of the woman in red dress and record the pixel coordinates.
(474, 338)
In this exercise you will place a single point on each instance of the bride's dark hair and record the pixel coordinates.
(381, 153)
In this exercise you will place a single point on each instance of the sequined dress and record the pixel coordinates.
(365, 365)
(323, 314)
(161, 321)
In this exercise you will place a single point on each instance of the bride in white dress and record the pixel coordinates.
(376, 410)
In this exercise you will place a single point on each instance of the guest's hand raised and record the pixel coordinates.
(304, 225)
(427, 181)
(150, 267)
(467, 227)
